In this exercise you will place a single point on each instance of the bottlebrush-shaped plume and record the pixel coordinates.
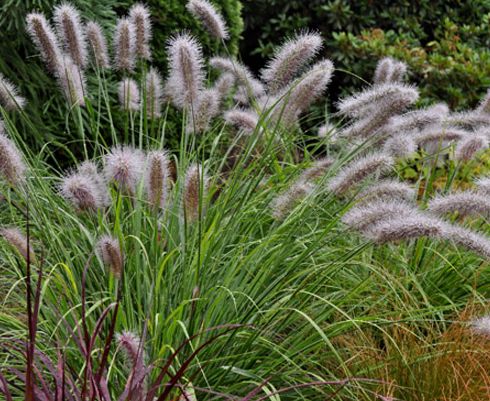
(206, 109)
(72, 82)
(367, 214)
(328, 130)
(9, 95)
(418, 119)
(70, 31)
(18, 240)
(439, 135)
(470, 145)
(124, 45)
(483, 185)
(124, 166)
(224, 84)
(467, 203)
(139, 16)
(249, 87)
(468, 239)
(289, 59)
(368, 100)
(98, 44)
(408, 227)
(388, 189)
(157, 178)
(371, 125)
(304, 92)
(12, 167)
(153, 93)
(111, 254)
(129, 94)
(186, 78)
(285, 202)
(90, 169)
(82, 191)
(470, 120)
(245, 120)
(317, 170)
(195, 192)
(356, 171)
(389, 70)
(400, 146)
(45, 40)
(212, 20)
(132, 346)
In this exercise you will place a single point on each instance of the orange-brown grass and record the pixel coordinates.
(422, 364)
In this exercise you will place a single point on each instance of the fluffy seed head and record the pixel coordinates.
(124, 166)
(389, 189)
(124, 45)
(195, 188)
(111, 254)
(212, 20)
(470, 120)
(206, 109)
(140, 19)
(418, 119)
(439, 135)
(157, 178)
(467, 203)
(358, 170)
(18, 240)
(400, 146)
(9, 95)
(72, 82)
(82, 191)
(470, 145)
(481, 325)
(129, 94)
(285, 202)
(304, 92)
(389, 70)
(317, 170)
(468, 239)
(328, 130)
(44, 39)
(132, 345)
(12, 167)
(289, 59)
(186, 78)
(224, 84)
(69, 29)
(89, 169)
(98, 44)
(483, 185)
(245, 120)
(153, 93)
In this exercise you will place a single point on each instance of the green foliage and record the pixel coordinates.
(445, 43)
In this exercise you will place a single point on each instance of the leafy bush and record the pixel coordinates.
(445, 43)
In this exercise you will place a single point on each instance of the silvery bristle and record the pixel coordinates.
(212, 20)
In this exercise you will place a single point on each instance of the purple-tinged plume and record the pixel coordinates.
(195, 189)
(245, 120)
(400, 146)
(129, 94)
(389, 189)
(467, 203)
(317, 170)
(389, 70)
(124, 45)
(9, 95)
(12, 167)
(45, 40)
(286, 201)
(289, 59)
(82, 191)
(72, 82)
(98, 44)
(124, 166)
(18, 240)
(468, 239)
(139, 16)
(70, 31)
(470, 145)
(483, 185)
(212, 20)
(157, 178)
(153, 93)
(111, 254)
(207, 107)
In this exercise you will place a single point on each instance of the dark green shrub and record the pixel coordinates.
(444, 42)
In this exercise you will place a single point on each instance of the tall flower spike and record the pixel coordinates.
(89, 169)
(206, 109)
(470, 120)
(70, 31)
(19, 241)
(388, 189)
(356, 171)
(157, 178)
(212, 20)
(124, 166)
(224, 84)
(98, 44)
(467, 203)
(129, 95)
(289, 59)
(45, 40)
(12, 167)
(304, 92)
(124, 45)
(470, 145)
(110, 251)
(71, 81)
(468, 239)
(132, 346)
(317, 170)
(186, 70)
(153, 93)
(439, 135)
(9, 95)
(195, 189)
(82, 191)
(286, 201)
(245, 120)
(400, 146)
(140, 18)
(418, 119)
(383, 70)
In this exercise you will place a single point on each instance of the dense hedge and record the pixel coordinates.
(444, 42)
